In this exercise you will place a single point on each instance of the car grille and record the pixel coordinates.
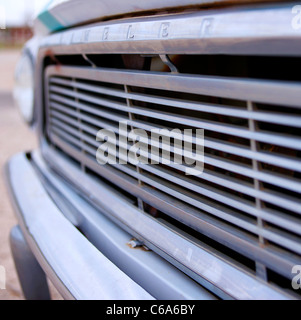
(246, 203)
(245, 207)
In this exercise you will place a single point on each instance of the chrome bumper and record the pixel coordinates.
(77, 268)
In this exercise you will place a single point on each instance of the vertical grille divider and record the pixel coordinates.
(138, 169)
(261, 270)
(79, 122)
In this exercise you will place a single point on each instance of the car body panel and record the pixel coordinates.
(62, 14)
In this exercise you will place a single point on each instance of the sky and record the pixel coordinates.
(20, 12)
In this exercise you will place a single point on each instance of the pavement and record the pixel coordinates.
(15, 137)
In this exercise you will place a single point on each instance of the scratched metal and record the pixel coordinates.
(210, 31)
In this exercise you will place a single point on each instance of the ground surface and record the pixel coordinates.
(15, 137)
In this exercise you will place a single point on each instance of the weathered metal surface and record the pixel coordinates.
(75, 12)
(211, 31)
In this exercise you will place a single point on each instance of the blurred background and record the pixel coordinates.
(16, 21)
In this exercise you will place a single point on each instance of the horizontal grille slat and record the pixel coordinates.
(272, 92)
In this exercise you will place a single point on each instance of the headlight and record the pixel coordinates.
(24, 87)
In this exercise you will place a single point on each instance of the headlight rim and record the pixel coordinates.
(30, 117)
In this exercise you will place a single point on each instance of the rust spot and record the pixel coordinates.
(142, 247)
(49, 53)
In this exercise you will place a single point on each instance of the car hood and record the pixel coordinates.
(62, 14)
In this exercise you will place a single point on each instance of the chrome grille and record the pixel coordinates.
(246, 202)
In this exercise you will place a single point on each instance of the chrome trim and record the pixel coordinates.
(75, 12)
(77, 268)
(216, 31)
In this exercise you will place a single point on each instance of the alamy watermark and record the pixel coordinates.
(296, 282)
(2, 278)
(181, 149)
(296, 21)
